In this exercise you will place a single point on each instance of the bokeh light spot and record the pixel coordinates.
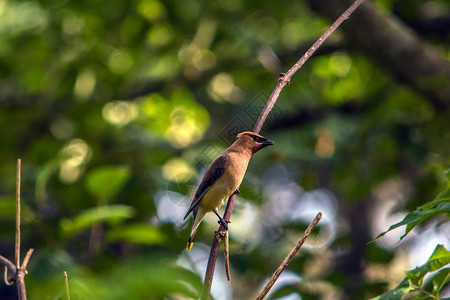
(177, 169)
(120, 62)
(75, 154)
(120, 113)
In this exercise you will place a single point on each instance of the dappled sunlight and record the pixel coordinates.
(183, 129)
(85, 84)
(196, 55)
(72, 24)
(120, 62)
(178, 119)
(17, 17)
(152, 10)
(120, 113)
(74, 155)
(160, 34)
(177, 169)
(340, 63)
(222, 88)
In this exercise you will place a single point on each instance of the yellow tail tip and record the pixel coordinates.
(189, 246)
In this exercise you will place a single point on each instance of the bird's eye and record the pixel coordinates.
(258, 139)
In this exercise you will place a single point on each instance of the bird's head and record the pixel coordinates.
(252, 141)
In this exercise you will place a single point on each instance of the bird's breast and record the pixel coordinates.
(227, 184)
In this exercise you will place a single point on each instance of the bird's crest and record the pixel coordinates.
(247, 133)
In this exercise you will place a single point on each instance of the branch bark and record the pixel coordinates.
(18, 271)
(289, 257)
(283, 80)
(397, 48)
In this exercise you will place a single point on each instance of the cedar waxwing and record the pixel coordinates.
(223, 178)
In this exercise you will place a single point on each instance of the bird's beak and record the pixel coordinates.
(267, 143)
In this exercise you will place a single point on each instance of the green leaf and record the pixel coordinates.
(107, 181)
(412, 219)
(111, 214)
(437, 260)
(397, 293)
(441, 204)
(137, 233)
(443, 197)
(440, 280)
(447, 175)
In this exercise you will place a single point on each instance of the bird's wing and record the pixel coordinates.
(214, 172)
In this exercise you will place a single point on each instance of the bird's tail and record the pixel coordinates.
(198, 217)
(190, 242)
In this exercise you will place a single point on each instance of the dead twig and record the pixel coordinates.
(17, 252)
(289, 257)
(226, 253)
(66, 279)
(18, 271)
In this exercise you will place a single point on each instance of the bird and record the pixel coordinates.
(223, 178)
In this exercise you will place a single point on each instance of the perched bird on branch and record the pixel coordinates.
(223, 178)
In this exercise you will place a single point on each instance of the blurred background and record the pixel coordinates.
(117, 108)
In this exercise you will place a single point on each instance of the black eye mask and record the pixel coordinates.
(258, 139)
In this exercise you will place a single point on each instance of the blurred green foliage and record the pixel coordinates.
(116, 107)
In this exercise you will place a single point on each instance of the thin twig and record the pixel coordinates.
(289, 257)
(8, 266)
(18, 213)
(5, 277)
(66, 279)
(285, 78)
(226, 253)
(27, 258)
(18, 271)
(282, 82)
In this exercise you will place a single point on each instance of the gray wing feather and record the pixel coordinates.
(214, 172)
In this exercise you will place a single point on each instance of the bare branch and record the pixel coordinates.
(17, 271)
(5, 277)
(18, 213)
(66, 279)
(289, 257)
(285, 78)
(218, 237)
(27, 258)
(8, 266)
(226, 253)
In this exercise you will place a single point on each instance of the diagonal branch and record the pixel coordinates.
(8, 264)
(283, 80)
(289, 257)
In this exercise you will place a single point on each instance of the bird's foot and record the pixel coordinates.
(221, 220)
(224, 223)
(237, 192)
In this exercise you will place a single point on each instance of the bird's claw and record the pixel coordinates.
(224, 223)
